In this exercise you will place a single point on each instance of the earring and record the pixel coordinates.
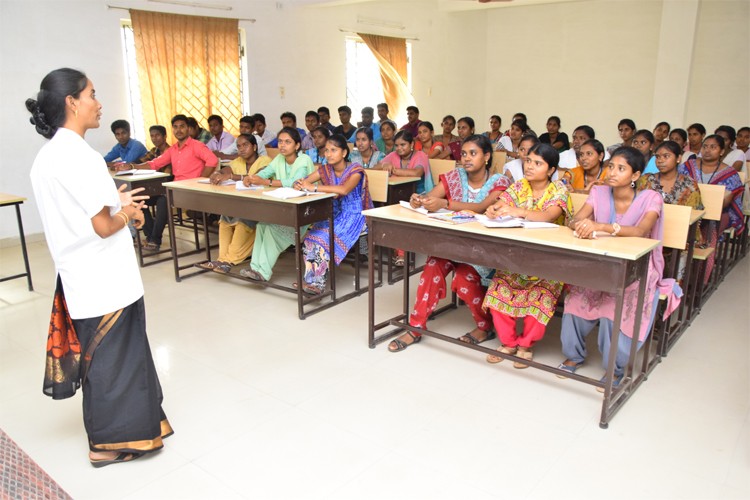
(632, 184)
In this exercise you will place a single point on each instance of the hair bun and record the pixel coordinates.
(38, 119)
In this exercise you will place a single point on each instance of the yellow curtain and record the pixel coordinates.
(188, 65)
(391, 56)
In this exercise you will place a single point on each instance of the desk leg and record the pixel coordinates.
(172, 237)
(371, 289)
(332, 258)
(682, 317)
(300, 267)
(23, 247)
(206, 236)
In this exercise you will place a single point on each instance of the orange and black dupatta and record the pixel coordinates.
(62, 376)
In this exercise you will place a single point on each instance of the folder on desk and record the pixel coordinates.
(508, 221)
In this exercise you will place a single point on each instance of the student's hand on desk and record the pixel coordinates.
(493, 211)
(218, 177)
(303, 185)
(127, 198)
(254, 179)
(434, 204)
(123, 166)
(507, 210)
(585, 229)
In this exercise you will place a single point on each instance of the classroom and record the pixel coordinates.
(265, 405)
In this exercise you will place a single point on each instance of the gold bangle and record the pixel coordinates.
(124, 217)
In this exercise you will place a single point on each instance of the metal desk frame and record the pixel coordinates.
(498, 249)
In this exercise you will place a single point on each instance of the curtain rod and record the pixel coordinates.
(369, 32)
(128, 8)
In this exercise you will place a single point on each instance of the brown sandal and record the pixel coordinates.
(497, 359)
(398, 345)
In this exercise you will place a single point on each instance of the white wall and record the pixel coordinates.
(588, 62)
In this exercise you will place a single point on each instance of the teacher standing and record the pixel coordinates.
(85, 220)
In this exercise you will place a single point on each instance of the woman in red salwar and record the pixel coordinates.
(468, 187)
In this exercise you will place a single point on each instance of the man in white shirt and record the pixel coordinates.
(247, 126)
(219, 138)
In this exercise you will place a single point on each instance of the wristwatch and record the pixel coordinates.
(615, 228)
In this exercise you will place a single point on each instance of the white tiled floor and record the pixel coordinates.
(267, 406)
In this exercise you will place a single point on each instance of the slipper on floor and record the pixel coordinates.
(119, 459)
(209, 265)
(252, 274)
(309, 289)
(567, 368)
(497, 359)
(471, 339)
(398, 345)
(222, 267)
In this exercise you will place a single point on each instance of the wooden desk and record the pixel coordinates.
(608, 264)
(401, 188)
(152, 184)
(252, 205)
(7, 200)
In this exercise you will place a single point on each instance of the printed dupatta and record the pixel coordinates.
(456, 185)
(328, 177)
(728, 178)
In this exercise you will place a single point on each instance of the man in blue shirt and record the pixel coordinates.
(288, 119)
(127, 150)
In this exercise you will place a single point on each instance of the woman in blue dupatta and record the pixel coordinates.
(349, 183)
(708, 169)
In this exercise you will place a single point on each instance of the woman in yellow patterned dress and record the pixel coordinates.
(513, 295)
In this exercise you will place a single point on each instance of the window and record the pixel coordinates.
(363, 84)
(139, 129)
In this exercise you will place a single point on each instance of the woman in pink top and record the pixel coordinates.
(616, 209)
(406, 161)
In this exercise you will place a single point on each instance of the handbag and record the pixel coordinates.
(62, 374)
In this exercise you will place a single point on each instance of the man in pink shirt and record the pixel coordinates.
(190, 159)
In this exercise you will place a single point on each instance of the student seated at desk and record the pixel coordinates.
(426, 142)
(535, 197)
(405, 161)
(236, 235)
(514, 169)
(247, 126)
(189, 159)
(509, 143)
(386, 143)
(465, 129)
(220, 138)
(643, 141)
(447, 137)
(673, 187)
(366, 153)
(349, 183)
(317, 154)
(680, 136)
(158, 135)
(470, 187)
(197, 132)
(591, 172)
(616, 209)
(126, 150)
(708, 169)
(271, 239)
